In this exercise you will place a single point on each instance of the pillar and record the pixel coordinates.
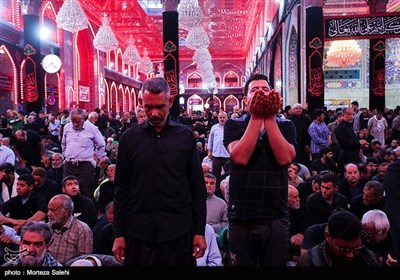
(314, 46)
(33, 76)
(171, 51)
(377, 58)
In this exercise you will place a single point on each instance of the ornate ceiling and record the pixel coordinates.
(228, 24)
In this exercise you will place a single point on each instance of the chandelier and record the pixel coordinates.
(145, 65)
(343, 53)
(201, 56)
(71, 16)
(131, 55)
(197, 39)
(105, 39)
(190, 14)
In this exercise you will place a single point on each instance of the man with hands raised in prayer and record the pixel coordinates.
(261, 147)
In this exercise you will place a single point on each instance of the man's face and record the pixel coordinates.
(293, 198)
(20, 136)
(77, 122)
(255, 86)
(352, 174)
(56, 214)
(345, 250)
(23, 189)
(372, 235)
(348, 116)
(327, 190)
(222, 118)
(369, 197)
(39, 180)
(141, 117)
(210, 185)
(71, 187)
(156, 107)
(297, 110)
(32, 249)
(56, 161)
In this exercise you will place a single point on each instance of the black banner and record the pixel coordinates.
(171, 57)
(33, 76)
(314, 58)
(363, 27)
(377, 74)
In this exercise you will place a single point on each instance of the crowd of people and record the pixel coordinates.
(255, 187)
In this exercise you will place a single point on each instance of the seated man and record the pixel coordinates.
(71, 237)
(376, 236)
(35, 239)
(342, 245)
(299, 221)
(216, 207)
(26, 206)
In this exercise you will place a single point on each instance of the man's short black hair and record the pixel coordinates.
(344, 225)
(253, 78)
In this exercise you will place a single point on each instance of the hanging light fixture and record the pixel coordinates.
(197, 39)
(105, 39)
(71, 16)
(131, 55)
(343, 53)
(145, 65)
(190, 14)
(201, 56)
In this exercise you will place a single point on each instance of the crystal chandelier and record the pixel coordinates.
(197, 39)
(105, 39)
(343, 53)
(145, 65)
(190, 14)
(204, 67)
(201, 56)
(131, 55)
(71, 16)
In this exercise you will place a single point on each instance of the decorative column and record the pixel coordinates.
(314, 45)
(33, 74)
(377, 60)
(171, 51)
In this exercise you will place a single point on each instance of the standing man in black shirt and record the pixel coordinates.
(160, 199)
(261, 147)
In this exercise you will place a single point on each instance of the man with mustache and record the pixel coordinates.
(160, 199)
(35, 239)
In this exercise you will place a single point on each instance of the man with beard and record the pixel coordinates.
(57, 168)
(160, 198)
(35, 239)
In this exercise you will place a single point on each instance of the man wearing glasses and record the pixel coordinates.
(342, 245)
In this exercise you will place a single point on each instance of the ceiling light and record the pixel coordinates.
(71, 16)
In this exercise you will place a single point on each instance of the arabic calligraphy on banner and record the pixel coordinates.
(386, 25)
